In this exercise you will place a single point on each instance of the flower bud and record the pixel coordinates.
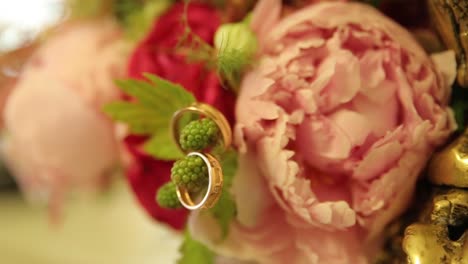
(235, 37)
(236, 44)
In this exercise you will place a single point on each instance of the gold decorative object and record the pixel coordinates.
(215, 174)
(215, 185)
(450, 166)
(206, 111)
(451, 20)
(440, 233)
(440, 236)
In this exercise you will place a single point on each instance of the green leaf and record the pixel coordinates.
(193, 252)
(162, 146)
(225, 210)
(229, 165)
(459, 105)
(179, 95)
(459, 109)
(150, 114)
(140, 119)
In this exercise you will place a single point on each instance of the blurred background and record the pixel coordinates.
(108, 227)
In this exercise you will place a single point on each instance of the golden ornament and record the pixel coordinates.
(440, 236)
(451, 20)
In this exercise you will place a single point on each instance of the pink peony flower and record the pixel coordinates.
(58, 138)
(333, 127)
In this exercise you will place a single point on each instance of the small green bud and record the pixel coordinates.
(190, 172)
(235, 38)
(167, 196)
(199, 135)
(236, 44)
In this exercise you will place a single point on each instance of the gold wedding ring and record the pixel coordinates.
(215, 174)
(202, 110)
(215, 185)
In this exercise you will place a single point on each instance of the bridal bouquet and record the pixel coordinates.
(332, 108)
(269, 131)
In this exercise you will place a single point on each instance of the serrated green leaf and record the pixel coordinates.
(225, 210)
(143, 91)
(193, 252)
(163, 147)
(140, 119)
(179, 96)
(151, 112)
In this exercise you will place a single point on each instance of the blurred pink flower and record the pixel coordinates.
(333, 128)
(58, 138)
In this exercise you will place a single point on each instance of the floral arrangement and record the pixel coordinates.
(269, 131)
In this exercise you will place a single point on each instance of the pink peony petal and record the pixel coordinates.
(265, 15)
(445, 62)
(344, 84)
(378, 160)
(322, 138)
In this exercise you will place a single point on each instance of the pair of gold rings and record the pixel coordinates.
(215, 174)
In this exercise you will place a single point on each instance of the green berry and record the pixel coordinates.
(190, 172)
(167, 196)
(199, 134)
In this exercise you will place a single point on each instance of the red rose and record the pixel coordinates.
(156, 55)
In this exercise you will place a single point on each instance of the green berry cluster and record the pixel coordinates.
(190, 172)
(199, 134)
(167, 196)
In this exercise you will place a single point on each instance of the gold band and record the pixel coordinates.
(215, 185)
(203, 110)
